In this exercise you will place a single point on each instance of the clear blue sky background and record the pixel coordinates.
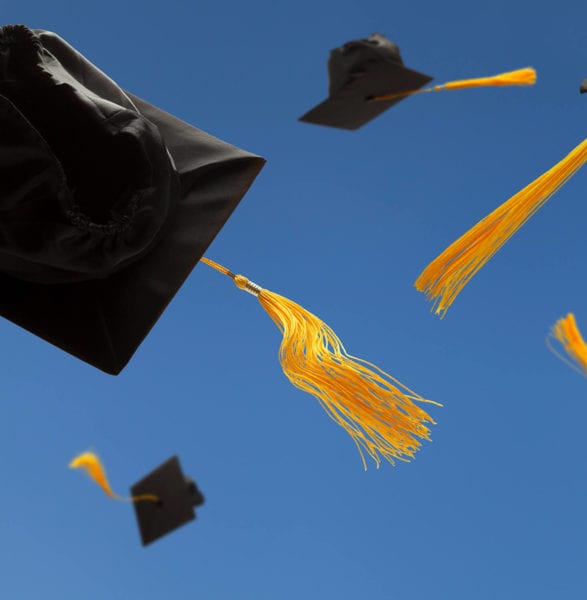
(342, 222)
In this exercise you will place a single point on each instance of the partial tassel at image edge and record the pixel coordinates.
(566, 332)
(374, 408)
(91, 464)
(446, 276)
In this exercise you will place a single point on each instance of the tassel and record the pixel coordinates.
(93, 467)
(444, 278)
(566, 332)
(526, 76)
(375, 409)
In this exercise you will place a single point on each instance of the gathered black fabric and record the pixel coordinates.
(106, 201)
(87, 183)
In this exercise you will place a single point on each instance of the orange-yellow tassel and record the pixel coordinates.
(566, 332)
(444, 278)
(376, 410)
(93, 467)
(526, 76)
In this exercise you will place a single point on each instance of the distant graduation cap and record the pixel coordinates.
(163, 500)
(107, 202)
(108, 205)
(368, 76)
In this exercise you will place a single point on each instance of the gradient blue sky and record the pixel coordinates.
(342, 222)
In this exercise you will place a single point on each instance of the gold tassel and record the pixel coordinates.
(444, 278)
(93, 467)
(375, 409)
(526, 76)
(566, 332)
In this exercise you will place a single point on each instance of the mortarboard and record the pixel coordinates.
(163, 500)
(108, 202)
(358, 71)
(368, 76)
(108, 205)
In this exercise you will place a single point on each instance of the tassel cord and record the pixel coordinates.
(526, 76)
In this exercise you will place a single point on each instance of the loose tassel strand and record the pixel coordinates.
(375, 409)
(444, 278)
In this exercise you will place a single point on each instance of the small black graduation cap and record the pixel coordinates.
(178, 495)
(583, 88)
(106, 201)
(360, 70)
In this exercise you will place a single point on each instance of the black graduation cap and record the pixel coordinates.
(177, 496)
(583, 88)
(106, 201)
(358, 71)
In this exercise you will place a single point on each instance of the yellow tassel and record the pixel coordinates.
(565, 331)
(93, 467)
(526, 76)
(444, 278)
(375, 409)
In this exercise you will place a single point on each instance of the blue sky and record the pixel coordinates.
(342, 222)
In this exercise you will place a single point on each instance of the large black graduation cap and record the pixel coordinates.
(178, 495)
(360, 70)
(106, 201)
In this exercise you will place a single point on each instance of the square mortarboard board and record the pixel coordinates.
(360, 70)
(107, 202)
(178, 495)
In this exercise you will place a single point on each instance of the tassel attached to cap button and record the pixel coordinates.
(444, 278)
(375, 409)
(93, 467)
(526, 76)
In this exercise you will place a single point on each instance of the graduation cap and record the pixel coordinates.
(446, 276)
(108, 205)
(163, 500)
(368, 76)
(108, 202)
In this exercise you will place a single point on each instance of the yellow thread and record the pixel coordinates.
(566, 331)
(93, 467)
(444, 278)
(526, 76)
(375, 409)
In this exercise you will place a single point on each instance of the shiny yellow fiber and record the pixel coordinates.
(444, 278)
(375, 409)
(526, 76)
(566, 331)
